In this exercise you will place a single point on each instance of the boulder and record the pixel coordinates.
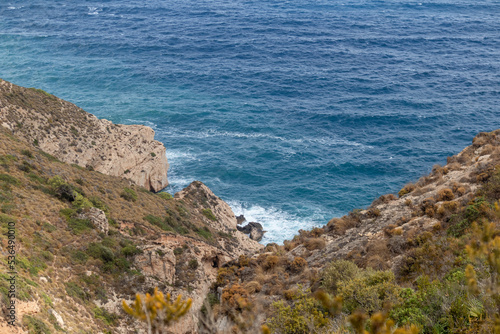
(97, 217)
(255, 230)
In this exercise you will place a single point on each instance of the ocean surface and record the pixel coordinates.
(292, 111)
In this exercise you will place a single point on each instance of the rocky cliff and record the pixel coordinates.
(77, 137)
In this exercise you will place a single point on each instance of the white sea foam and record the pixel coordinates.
(326, 141)
(178, 156)
(93, 10)
(280, 225)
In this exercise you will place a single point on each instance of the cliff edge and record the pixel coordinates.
(74, 136)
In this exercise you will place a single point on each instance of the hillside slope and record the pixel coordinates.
(86, 240)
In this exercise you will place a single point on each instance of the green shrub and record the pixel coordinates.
(27, 153)
(80, 202)
(99, 251)
(303, 317)
(49, 157)
(61, 189)
(99, 203)
(130, 250)
(102, 314)
(129, 194)
(35, 325)
(205, 233)
(209, 214)
(7, 208)
(9, 179)
(75, 291)
(165, 195)
(336, 272)
(369, 291)
(193, 264)
(37, 178)
(78, 226)
(79, 256)
(157, 221)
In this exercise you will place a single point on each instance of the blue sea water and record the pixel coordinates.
(292, 111)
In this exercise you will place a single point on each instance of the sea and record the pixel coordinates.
(293, 112)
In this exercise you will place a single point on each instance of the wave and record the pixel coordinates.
(326, 141)
(176, 156)
(278, 224)
(94, 10)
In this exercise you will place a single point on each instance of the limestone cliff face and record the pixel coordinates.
(187, 266)
(74, 136)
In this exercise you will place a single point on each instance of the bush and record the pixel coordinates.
(102, 314)
(129, 194)
(9, 179)
(193, 264)
(235, 298)
(61, 189)
(79, 256)
(406, 189)
(336, 272)
(204, 232)
(315, 243)
(35, 325)
(270, 262)
(369, 291)
(303, 317)
(298, 265)
(209, 214)
(81, 202)
(157, 221)
(445, 195)
(130, 250)
(98, 251)
(27, 153)
(165, 195)
(341, 225)
(98, 203)
(75, 291)
(78, 226)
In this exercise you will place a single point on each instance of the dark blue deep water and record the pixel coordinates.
(292, 111)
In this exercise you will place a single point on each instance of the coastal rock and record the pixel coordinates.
(240, 219)
(74, 136)
(97, 217)
(256, 234)
(255, 230)
(218, 213)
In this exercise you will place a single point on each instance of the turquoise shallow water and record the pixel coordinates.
(293, 112)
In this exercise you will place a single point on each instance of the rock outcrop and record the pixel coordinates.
(97, 217)
(254, 230)
(74, 136)
(219, 215)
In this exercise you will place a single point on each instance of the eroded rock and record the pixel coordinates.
(97, 217)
